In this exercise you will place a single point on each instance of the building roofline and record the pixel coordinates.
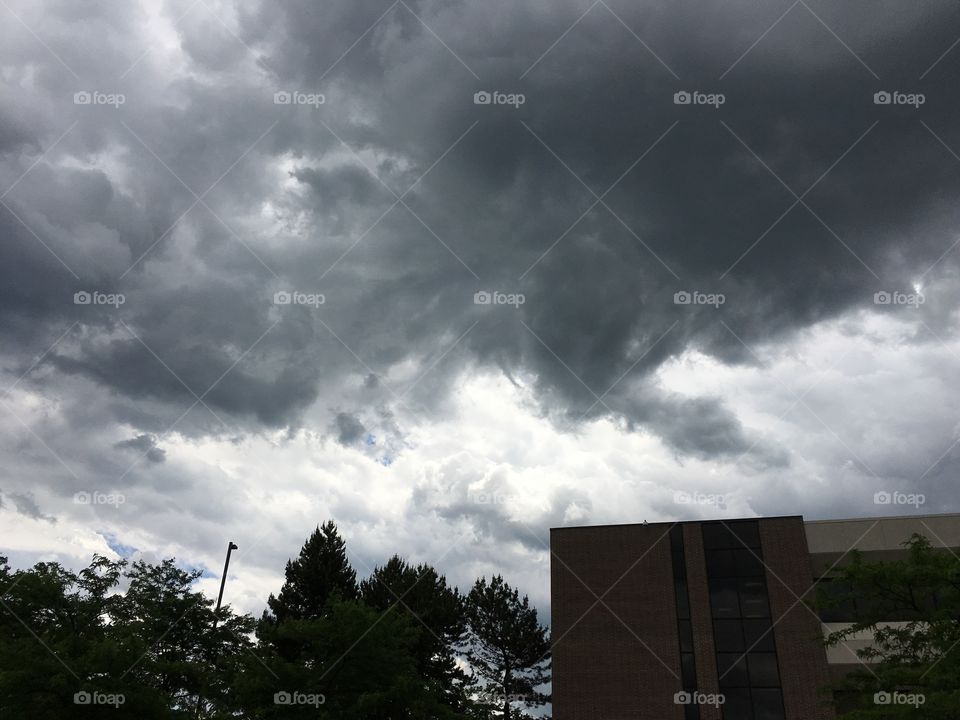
(763, 517)
(676, 522)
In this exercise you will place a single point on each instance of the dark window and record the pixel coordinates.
(686, 636)
(758, 635)
(738, 705)
(683, 600)
(688, 670)
(753, 598)
(748, 533)
(767, 705)
(728, 635)
(732, 670)
(763, 670)
(723, 598)
(720, 563)
(691, 712)
(746, 563)
(717, 537)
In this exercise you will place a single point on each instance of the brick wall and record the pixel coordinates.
(802, 658)
(605, 668)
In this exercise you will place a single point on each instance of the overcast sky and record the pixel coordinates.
(183, 164)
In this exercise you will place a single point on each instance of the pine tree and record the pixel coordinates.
(507, 646)
(321, 573)
(436, 613)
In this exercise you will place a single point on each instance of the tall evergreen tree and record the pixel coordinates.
(507, 647)
(435, 611)
(321, 573)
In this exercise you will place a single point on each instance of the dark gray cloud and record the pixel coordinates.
(598, 199)
(146, 445)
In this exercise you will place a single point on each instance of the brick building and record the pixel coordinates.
(656, 620)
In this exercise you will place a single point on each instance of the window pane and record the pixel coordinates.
(723, 599)
(688, 670)
(691, 712)
(728, 636)
(748, 533)
(746, 563)
(683, 600)
(767, 705)
(732, 669)
(757, 637)
(753, 598)
(686, 636)
(737, 705)
(717, 537)
(763, 670)
(720, 563)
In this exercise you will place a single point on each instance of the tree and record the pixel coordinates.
(918, 658)
(320, 573)
(506, 646)
(148, 649)
(353, 663)
(436, 613)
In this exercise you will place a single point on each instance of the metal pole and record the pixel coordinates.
(223, 581)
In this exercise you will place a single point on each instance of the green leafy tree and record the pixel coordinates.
(919, 656)
(64, 635)
(435, 610)
(321, 573)
(507, 647)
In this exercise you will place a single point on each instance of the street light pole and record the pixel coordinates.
(223, 581)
